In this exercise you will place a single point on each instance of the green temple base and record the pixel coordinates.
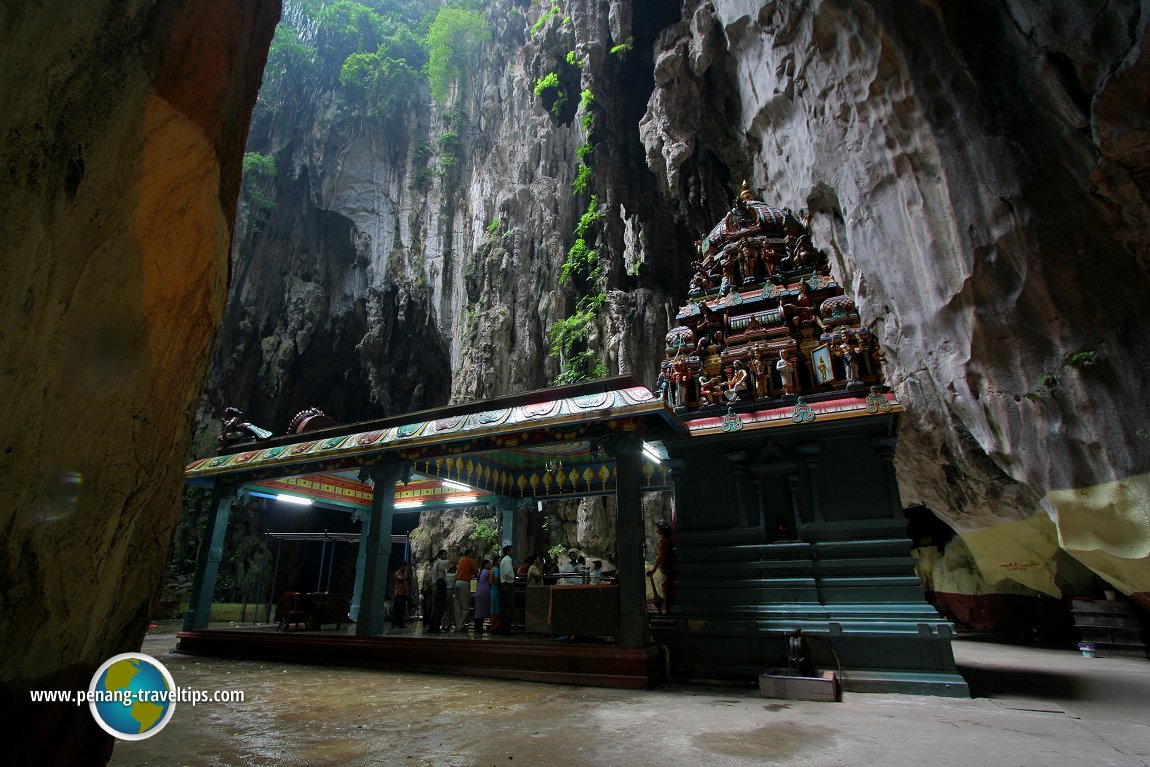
(785, 526)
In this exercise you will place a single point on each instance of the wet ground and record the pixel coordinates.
(1037, 707)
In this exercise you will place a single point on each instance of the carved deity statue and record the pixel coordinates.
(786, 373)
(727, 266)
(801, 312)
(736, 386)
(236, 430)
(851, 353)
(663, 387)
(761, 371)
(747, 262)
(710, 391)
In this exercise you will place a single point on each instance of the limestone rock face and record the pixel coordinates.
(980, 176)
(123, 134)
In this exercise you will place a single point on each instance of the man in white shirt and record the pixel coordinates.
(439, 589)
(506, 590)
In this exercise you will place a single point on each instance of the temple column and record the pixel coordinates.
(743, 490)
(508, 508)
(629, 535)
(375, 550)
(884, 447)
(808, 492)
(208, 558)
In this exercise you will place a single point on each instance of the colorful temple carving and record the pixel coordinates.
(765, 319)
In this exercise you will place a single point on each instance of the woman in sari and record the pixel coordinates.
(493, 582)
(482, 595)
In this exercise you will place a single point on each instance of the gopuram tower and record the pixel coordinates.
(790, 541)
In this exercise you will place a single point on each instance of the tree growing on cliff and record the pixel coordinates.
(456, 37)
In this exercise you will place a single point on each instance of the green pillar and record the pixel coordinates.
(884, 447)
(629, 542)
(508, 508)
(810, 509)
(208, 559)
(747, 513)
(362, 516)
(375, 550)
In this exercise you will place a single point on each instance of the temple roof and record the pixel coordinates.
(519, 433)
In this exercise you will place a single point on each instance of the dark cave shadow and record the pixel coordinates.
(1000, 682)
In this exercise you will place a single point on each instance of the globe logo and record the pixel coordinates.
(132, 696)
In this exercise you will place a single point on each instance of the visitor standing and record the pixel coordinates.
(664, 569)
(535, 572)
(465, 571)
(567, 569)
(439, 587)
(506, 590)
(402, 594)
(494, 581)
(482, 596)
(427, 593)
(449, 614)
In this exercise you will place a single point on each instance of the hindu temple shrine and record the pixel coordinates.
(770, 428)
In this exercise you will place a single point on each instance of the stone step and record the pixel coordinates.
(856, 530)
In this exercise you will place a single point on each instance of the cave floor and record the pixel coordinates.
(1033, 706)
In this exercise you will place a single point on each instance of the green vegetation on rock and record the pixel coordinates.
(456, 37)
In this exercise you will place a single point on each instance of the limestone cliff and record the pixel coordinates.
(977, 171)
(124, 127)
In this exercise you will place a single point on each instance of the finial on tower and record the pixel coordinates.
(745, 193)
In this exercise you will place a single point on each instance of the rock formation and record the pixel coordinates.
(980, 185)
(123, 134)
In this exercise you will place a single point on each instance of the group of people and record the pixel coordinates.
(446, 587)
(446, 593)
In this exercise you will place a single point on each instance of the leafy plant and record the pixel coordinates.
(590, 217)
(586, 101)
(622, 49)
(259, 171)
(259, 166)
(493, 225)
(1081, 359)
(556, 551)
(546, 83)
(550, 91)
(456, 36)
(484, 534)
(1048, 380)
(573, 59)
(544, 18)
(582, 179)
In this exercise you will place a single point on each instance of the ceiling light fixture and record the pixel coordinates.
(294, 499)
(650, 453)
(408, 504)
(463, 499)
(454, 485)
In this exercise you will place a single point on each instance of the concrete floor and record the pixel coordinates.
(1033, 707)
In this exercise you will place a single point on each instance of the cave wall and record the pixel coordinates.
(123, 132)
(984, 198)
